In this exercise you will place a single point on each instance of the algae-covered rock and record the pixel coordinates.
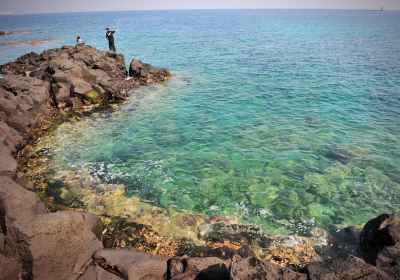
(92, 95)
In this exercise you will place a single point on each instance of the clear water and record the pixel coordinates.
(287, 119)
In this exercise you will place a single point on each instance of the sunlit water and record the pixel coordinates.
(287, 119)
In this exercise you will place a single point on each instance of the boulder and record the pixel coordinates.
(345, 267)
(52, 246)
(14, 200)
(23, 103)
(197, 268)
(145, 71)
(132, 264)
(253, 268)
(378, 233)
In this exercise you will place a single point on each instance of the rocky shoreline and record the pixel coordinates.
(41, 242)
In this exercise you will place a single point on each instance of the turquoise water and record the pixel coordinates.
(287, 119)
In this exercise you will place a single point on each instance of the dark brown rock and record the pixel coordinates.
(345, 267)
(246, 252)
(129, 264)
(253, 268)
(378, 233)
(51, 246)
(15, 200)
(204, 251)
(145, 71)
(197, 268)
(389, 256)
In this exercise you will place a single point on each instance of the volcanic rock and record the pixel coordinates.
(197, 268)
(129, 263)
(15, 200)
(51, 246)
(253, 268)
(378, 233)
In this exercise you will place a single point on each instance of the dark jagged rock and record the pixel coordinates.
(378, 233)
(145, 72)
(246, 252)
(61, 78)
(211, 268)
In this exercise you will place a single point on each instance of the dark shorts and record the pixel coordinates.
(112, 46)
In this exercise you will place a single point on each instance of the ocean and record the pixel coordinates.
(286, 119)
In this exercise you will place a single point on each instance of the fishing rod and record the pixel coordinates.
(118, 23)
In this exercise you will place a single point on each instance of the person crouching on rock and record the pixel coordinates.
(110, 38)
(79, 40)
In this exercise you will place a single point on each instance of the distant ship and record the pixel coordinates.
(5, 13)
(382, 9)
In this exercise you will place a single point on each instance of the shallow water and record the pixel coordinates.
(287, 119)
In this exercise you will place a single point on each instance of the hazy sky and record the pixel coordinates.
(57, 6)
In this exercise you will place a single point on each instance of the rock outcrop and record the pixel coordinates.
(2, 33)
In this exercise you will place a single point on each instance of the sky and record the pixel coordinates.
(59, 6)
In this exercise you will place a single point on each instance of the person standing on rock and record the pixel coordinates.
(110, 38)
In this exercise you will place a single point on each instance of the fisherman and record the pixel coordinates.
(110, 38)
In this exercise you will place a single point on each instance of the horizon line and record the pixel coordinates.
(142, 10)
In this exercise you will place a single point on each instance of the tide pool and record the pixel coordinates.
(286, 119)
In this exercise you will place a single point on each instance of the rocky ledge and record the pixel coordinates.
(35, 244)
(2, 33)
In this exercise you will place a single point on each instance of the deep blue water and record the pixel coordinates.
(282, 118)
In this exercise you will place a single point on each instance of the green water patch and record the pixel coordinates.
(179, 145)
